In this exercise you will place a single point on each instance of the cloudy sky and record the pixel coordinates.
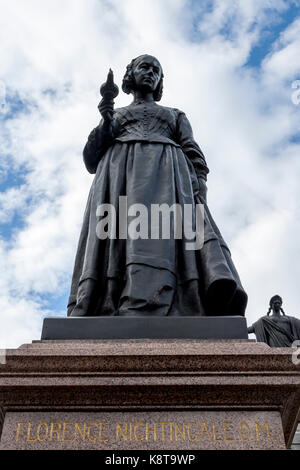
(231, 65)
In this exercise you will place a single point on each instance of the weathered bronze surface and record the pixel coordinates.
(278, 329)
(147, 153)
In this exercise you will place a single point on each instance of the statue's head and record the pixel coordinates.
(276, 304)
(144, 72)
(276, 299)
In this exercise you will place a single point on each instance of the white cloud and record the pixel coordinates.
(56, 54)
(283, 61)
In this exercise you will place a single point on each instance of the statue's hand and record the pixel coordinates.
(107, 111)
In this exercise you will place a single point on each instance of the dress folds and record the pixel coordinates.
(150, 157)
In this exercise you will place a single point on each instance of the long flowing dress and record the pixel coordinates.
(280, 332)
(151, 157)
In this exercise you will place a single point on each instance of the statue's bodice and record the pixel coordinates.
(147, 122)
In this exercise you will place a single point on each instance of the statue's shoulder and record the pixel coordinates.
(261, 319)
(175, 111)
(294, 319)
(131, 107)
(123, 110)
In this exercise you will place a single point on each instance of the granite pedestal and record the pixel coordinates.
(148, 394)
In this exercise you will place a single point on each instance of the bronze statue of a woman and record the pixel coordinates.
(276, 328)
(147, 153)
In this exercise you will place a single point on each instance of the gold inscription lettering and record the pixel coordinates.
(244, 431)
(163, 423)
(191, 438)
(29, 432)
(101, 430)
(19, 430)
(143, 431)
(55, 429)
(179, 431)
(226, 430)
(259, 428)
(171, 430)
(137, 438)
(119, 431)
(153, 431)
(205, 430)
(39, 438)
(66, 431)
(214, 433)
(89, 431)
(80, 431)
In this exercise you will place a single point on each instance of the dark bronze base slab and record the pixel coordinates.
(144, 328)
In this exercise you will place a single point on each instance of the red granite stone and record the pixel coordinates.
(150, 381)
(146, 430)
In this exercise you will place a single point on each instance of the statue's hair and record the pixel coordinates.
(128, 85)
(270, 310)
(274, 298)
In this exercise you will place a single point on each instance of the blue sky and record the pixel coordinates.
(228, 64)
(271, 33)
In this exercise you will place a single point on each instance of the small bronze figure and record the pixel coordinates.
(278, 329)
(147, 153)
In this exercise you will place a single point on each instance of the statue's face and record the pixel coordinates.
(147, 73)
(277, 304)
